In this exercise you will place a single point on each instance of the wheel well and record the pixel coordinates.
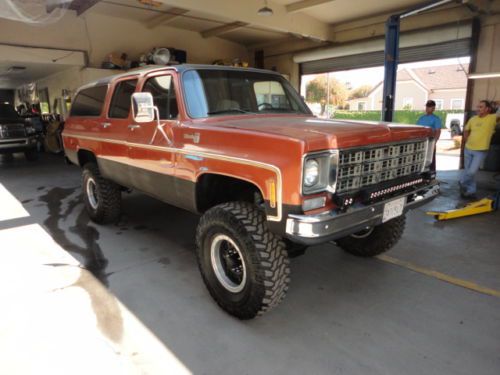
(85, 156)
(214, 189)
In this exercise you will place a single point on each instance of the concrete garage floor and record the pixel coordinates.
(342, 315)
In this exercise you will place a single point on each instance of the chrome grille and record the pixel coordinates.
(13, 131)
(361, 168)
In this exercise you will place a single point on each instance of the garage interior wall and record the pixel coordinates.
(100, 35)
(488, 60)
(71, 79)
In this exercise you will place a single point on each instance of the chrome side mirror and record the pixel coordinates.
(144, 110)
(143, 107)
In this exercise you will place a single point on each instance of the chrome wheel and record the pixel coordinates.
(92, 193)
(363, 233)
(227, 263)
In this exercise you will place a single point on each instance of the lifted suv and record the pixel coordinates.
(15, 134)
(240, 147)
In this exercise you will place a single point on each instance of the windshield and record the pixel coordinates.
(8, 111)
(228, 92)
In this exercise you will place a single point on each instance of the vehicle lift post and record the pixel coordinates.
(391, 55)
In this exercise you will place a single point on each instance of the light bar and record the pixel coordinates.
(392, 189)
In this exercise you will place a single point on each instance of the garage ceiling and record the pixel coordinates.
(335, 11)
(311, 19)
(192, 20)
(12, 78)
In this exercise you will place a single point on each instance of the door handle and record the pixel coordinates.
(105, 124)
(134, 126)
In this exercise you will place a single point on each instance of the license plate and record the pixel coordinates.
(393, 209)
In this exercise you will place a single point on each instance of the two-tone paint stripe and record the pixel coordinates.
(203, 154)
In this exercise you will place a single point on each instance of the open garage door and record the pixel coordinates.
(425, 45)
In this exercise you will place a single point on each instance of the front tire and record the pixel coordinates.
(102, 197)
(375, 240)
(244, 266)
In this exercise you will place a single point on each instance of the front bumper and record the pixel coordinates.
(328, 226)
(11, 145)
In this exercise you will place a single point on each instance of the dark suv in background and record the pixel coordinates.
(15, 134)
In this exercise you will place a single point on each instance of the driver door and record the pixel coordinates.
(150, 154)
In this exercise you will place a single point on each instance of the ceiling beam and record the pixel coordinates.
(81, 6)
(219, 30)
(166, 17)
(246, 11)
(304, 4)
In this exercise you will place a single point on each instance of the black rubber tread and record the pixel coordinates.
(383, 238)
(31, 155)
(264, 253)
(293, 249)
(108, 194)
(455, 130)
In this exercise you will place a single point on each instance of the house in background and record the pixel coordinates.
(445, 84)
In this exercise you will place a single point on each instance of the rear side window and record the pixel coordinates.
(120, 103)
(89, 102)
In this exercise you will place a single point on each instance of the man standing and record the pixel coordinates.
(477, 137)
(432, 121)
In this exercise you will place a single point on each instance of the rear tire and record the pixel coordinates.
(244, 266)
(374, 241)
(102, 197)
(455, 130)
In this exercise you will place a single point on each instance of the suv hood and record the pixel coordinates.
(319, 134)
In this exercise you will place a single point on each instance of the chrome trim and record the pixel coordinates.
(385, 162)
(218, 266)
(270, 167)
(333, 155)
(15, 142)
(330, 223)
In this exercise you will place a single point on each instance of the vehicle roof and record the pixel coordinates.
(178, 68)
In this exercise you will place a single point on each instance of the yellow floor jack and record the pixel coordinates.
(473, 208)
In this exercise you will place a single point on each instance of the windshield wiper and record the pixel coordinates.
(229, 110)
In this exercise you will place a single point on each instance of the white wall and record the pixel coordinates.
(488, 60)
(101, 34)
(71, 80)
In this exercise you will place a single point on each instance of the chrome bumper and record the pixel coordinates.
(17, 143)
(327, 226)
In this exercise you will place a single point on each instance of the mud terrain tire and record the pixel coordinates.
(102, 197)
(376, 241)
(245, 267)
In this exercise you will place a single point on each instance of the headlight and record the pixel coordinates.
(320, 172)
(3, 129)
(311, 173)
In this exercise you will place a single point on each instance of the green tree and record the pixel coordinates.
(317, 92)
(360, 92)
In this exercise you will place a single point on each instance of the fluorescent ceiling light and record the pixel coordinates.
(484, 75)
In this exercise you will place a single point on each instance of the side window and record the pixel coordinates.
(162, 89)
(89, 102)
(120, 103)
